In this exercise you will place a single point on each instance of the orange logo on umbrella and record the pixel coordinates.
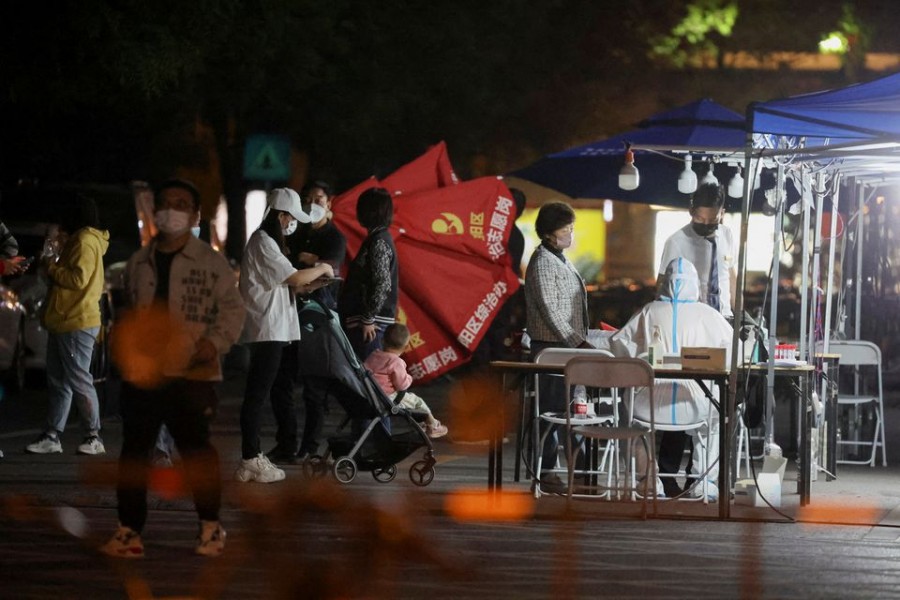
(450, 224)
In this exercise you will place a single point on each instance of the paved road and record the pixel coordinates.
(315, 539)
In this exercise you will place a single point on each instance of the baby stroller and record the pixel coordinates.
(382, 434)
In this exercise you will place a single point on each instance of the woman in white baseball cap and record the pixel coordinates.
(268, 284)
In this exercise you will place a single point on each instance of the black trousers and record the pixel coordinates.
(271, 375)
(671, 451)
(315, 401)
(553, 397)
(186, 407)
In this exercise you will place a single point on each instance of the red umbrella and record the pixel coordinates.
(432, 350)
(429, 171)
(460, 294)
(474, 217)
(455, 273)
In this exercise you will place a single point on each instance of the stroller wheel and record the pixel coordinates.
(344, 469)
(421, 473)
(314, 466)
(385, 475)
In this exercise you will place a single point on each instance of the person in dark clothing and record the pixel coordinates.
(516, 242)
(314, 243)
(368, 300)
(319, 242)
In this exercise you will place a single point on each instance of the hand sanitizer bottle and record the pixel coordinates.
(655, 352)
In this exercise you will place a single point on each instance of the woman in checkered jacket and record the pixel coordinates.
(557, 314)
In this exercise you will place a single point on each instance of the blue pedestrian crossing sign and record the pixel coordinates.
(267, 158)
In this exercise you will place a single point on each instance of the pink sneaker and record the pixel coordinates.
(436, 430)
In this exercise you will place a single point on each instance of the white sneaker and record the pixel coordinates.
(211, 540)
(258, 469)
(125, 543)
(642, 488)
(45, 444)
(712, 491)
(93, 445)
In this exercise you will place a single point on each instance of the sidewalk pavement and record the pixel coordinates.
(314, 538)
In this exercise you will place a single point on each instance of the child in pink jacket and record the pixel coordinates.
(390, 373)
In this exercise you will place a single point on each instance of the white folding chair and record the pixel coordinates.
(863, 357)
(559, 357)
(625, 375)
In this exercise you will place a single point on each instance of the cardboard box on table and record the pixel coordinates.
(703, 359)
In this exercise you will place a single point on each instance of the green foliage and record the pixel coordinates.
(694, 37)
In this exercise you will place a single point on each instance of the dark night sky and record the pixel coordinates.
(111, 92)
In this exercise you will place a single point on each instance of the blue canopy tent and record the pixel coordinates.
(823, 139)
(702, 128)
(851, 134)
(865, 111)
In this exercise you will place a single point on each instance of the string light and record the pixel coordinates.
(687, 180)
(710, 177)
(629, 177)
(736, 184)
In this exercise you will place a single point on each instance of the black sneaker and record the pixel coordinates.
(671, 487)
(280, 457)
(552, 484)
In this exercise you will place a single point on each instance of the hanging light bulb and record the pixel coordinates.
(629, 177)
(710, 177)
(608, 211)
(687, 180)
(736, 184)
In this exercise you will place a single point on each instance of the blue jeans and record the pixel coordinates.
(69, 375)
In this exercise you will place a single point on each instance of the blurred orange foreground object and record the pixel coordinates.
(167, 483)
(834, 512)
(145, 340)
(477, 505)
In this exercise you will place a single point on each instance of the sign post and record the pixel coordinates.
(267, 158)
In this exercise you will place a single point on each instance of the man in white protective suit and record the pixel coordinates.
(678, 319)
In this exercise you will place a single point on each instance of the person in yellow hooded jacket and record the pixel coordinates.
(72, 319)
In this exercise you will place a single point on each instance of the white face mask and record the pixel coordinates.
(565, 241)
(171, 221)
(291, 228)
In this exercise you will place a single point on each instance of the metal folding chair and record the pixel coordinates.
(863, 357)
(559, 357)
(625, 375)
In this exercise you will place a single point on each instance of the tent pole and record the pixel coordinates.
(725, 462)
(858, 276)
(805, 179)
(829, 288)
(817, 254)
(771, 448)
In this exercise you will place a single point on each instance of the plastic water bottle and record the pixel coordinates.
(580, 405)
